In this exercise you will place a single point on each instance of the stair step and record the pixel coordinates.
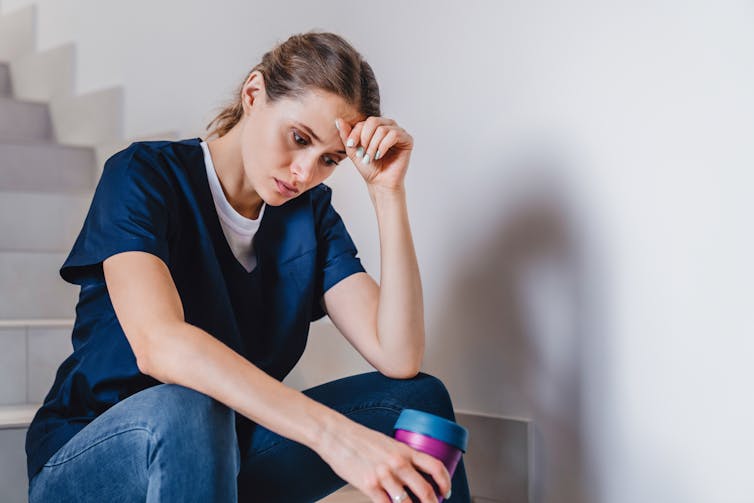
(347, 494)
(89, 119)
(38, 323)
(17, 416)
(31, 287)
(31, 221)
(40, 76)
(17, 32)
(5, 87)
(34, 166)
(23, 120)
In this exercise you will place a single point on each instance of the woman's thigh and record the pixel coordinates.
(156, 437)
(276, 469)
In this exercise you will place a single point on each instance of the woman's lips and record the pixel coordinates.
(285, 189)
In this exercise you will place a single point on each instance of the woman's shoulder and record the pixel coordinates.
(144, 169)
(149, 162)
(151, 153)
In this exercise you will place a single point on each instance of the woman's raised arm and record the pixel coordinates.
(392, 314)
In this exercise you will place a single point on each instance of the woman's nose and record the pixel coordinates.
(303, 169)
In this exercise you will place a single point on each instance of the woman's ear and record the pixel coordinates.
(252, 90)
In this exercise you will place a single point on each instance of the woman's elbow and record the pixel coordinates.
(408, 372)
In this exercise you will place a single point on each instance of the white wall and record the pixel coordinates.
(581, 194)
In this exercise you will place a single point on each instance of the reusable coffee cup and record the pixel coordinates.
(433, 435)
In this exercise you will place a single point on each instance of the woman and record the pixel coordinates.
(201, 265)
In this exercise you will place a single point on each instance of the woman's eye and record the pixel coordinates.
(327, 160)
(299, 139)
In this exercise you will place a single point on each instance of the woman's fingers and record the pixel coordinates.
(370, 125)
(371, 148)
(435, 469)
(378, 495)
(389, 139)
(419, 486)
(344, 129)
(375, 490)
(354, 140)
(372, 137)
(391, 484)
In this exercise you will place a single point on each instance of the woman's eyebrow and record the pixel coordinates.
(309, 130)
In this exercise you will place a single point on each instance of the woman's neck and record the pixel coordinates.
(226, 157)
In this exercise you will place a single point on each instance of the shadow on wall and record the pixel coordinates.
(513, 313)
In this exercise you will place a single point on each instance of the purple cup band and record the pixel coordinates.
(448, 454)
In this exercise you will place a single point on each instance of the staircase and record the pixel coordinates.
(45, 191)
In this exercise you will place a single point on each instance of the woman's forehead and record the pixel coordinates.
(315, 114)
(321, 107)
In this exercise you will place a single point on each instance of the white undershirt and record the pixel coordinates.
(238, 230)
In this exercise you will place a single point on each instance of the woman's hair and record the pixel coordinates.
(307, 61)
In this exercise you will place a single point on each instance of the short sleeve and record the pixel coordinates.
(336, 252)
(130, 211)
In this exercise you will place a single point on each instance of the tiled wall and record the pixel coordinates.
(13, 483)
(28, 361)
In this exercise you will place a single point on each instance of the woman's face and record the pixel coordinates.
(291, 145)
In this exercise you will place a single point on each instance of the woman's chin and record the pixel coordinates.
(275, 199)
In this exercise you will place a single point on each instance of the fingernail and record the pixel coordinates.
(350, 143)
(337, 126)
(365, 160)
(377, 156)
(447, 496)
(359, 151)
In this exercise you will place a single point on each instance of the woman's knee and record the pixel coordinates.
(191, 433)
(434, 385)
(429, 392)
(184, 416)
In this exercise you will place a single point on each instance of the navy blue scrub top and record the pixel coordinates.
(155, 197)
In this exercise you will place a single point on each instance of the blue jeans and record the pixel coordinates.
(170, 443)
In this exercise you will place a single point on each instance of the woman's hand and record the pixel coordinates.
(379, 148)
(380, 466)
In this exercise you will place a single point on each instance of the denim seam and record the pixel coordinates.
(388, 406)
(370, 407)
(60, 462)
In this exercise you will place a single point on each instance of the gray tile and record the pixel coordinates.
(20, 120)
(13, 480)
(497, 458)
(26, 223)
(48, 347)
(49, 167)
(12, 366)
(89, 119)
(31, 287)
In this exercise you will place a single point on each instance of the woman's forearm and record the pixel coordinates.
(400, 312)
(183, 354)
